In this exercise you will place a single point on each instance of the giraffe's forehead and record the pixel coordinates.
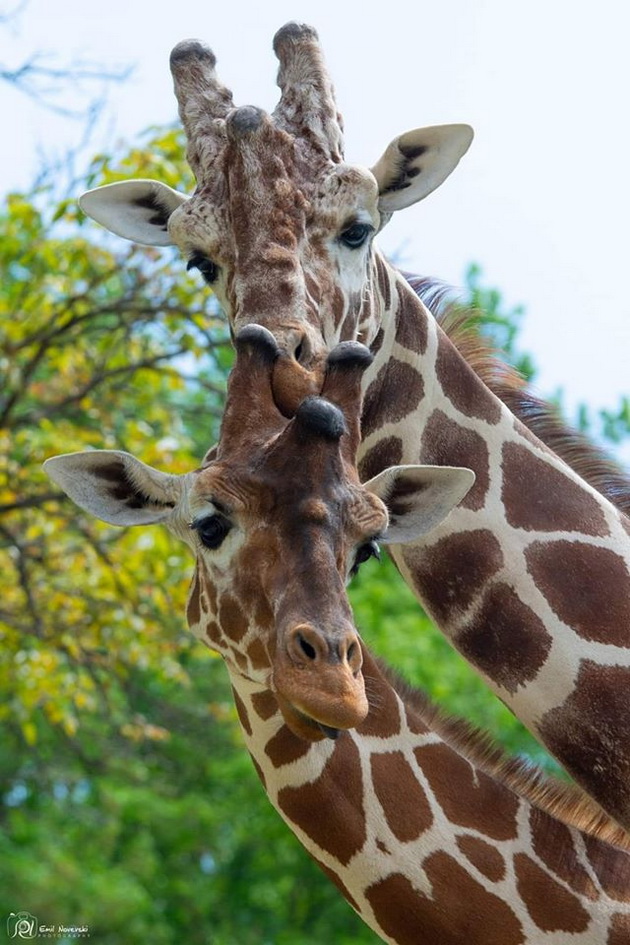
(312, 198)
(232, 488)
(259, 491)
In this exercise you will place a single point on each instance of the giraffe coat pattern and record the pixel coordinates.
(286, 229)
(429, 834)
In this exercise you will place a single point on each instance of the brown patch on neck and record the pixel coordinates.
(387, 452)
(404, 914)
(383, 279)
(553, 842)
(447, 443)
(393, 778)
(284, 747)
(550, 906)
(469, 797)
(332, 816)
(341, 886)
(411, 331)
(575, 577)
(462, 385)
(383, 719)
(395, 392)
(242, 712)
(486, 858)
(539, 497)
(619, 932)
(590, 733)
(505, 639)
(590, 462)
(265, 704)
(613, 873)
(193, 606)
(452, 572)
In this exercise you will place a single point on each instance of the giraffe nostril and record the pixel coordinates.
(307, 648)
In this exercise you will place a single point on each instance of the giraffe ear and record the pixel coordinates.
(417, 162)
(137, 210)
(116, 487)
(418, 498)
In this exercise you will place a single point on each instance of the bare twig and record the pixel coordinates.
(44, 83)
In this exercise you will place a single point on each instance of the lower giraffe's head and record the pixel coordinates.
(278, 521)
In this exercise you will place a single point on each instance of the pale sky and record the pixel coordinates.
(542, 199)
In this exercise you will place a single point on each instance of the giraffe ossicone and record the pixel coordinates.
(428, 834)
(529, 578)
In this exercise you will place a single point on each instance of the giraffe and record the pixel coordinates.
(529, 578)
(428, 833)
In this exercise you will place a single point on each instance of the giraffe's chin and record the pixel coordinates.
(302, 725)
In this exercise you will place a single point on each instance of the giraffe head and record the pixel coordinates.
(279, 225)
(278, 521)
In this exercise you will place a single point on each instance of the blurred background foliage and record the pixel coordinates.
(127, 800)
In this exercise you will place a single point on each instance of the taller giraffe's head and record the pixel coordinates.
(278, 522)
(279, 225)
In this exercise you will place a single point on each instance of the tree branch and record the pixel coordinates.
(43, 83)
(31, 502)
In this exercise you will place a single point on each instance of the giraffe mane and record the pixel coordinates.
(461, 325)
(565, 802)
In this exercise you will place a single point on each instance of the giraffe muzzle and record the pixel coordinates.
(319, 682)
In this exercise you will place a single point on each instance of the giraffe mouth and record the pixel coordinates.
(326, 730)
(303, 725)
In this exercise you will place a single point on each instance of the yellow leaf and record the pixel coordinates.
(29, 730)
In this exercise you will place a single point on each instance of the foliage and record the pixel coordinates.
(501, 326)
(614, 424)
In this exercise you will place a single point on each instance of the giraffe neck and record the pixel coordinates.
(420, 839)
(530, 577)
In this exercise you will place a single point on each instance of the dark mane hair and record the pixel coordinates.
(460, 323)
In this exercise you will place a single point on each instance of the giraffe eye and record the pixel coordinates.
(208, 269)
(211, 529)
(364, 552)
(355, 235)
